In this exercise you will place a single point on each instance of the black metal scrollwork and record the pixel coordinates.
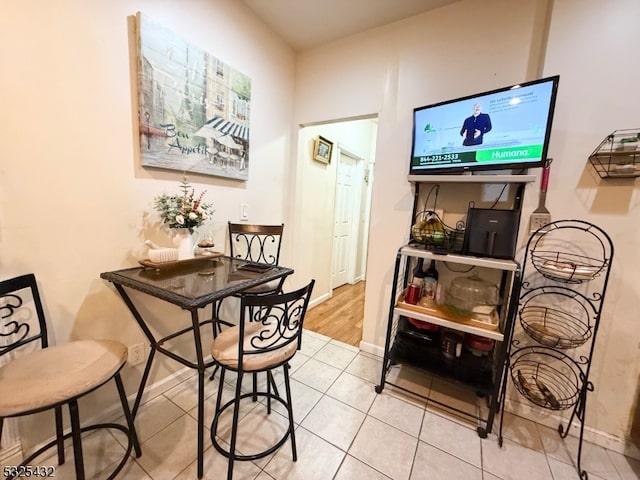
(12, 330)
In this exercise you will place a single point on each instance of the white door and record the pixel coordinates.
(345, 231)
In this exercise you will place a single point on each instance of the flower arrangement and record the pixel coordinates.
(184, 210)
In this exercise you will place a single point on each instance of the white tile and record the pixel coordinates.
(385, 448)
(563, 471)
(431, 463)
(317, 375)
(554, 445)
(345, 345)
(258, 431)
(334, 421)
(454, 396)
(185, 394)
(594, 459)
(520, 430)
(628, 468)
(303, 398)
(354, 469)
(366, 367)
(264, 476)
(513, 461)
(101, 452)
(215, 467)
(228, 393)
(451, 437)
(317, 459)
(397, 413)
(489, 476)
(335, 355)
(412, 379)
(312, 342)
(155, 415)
(172, 449)
(353, 391)
(133, 471)
(297, 361)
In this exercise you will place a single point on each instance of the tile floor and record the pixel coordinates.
(345, 431)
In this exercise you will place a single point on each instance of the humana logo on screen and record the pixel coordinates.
(513, 153)
(510, 154)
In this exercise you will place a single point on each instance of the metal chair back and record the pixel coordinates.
(256, 243)
(22, 319)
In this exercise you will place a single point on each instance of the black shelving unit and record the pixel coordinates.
(565, 275)
(481, 373)
(408, 345)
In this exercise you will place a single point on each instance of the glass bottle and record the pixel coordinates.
(430, 279)
(418, 275)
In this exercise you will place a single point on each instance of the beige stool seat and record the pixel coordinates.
(225, 349)
(55, 374)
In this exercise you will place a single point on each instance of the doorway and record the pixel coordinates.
(332, 218)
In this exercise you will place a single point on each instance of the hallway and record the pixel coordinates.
(340, 317)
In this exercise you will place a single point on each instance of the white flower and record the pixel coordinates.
(180, 219)
(192, 216)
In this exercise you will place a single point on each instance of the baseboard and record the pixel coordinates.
(372, 349)
(551, 420)
(320, 299)
(11, 455)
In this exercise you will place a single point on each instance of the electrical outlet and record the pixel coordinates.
(537, 221)
(136, 354)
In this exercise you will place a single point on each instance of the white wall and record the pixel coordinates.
(74, 200)
(469, 47)
(590, 44)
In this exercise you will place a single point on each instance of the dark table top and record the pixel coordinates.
(194, 283)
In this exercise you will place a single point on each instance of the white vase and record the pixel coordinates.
(183, 241)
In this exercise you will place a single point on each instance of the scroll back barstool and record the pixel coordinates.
(267, 337)
(39, 377)
(257, 244)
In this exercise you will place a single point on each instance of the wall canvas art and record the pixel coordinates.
(193, 108)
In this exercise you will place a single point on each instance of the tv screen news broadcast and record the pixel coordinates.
(507, 128)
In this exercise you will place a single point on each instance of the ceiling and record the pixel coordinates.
(305, 24)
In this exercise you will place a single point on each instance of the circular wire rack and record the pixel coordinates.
(546, 377)
(556, 318)
(566, 267)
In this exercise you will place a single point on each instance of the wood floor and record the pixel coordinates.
(341, 316)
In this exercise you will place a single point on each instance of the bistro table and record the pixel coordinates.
(191, 285)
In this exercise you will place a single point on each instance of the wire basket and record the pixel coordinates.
(567, 267)
(432, 233)
(546, 377)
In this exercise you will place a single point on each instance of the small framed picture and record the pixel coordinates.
(322, 149)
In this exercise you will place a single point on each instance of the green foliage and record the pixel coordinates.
(184, 210)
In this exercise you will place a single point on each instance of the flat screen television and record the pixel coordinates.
(507, 128)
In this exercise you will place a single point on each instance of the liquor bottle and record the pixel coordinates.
(430, 285)
(417, 278)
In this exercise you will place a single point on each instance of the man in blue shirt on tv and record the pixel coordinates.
(475, 126)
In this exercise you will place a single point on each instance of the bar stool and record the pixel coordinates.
(44, 377)
(258, 244)
(267, 337)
